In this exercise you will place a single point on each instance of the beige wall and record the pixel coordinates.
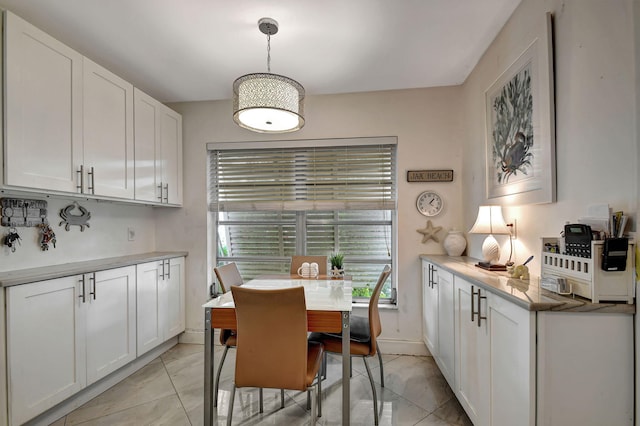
(427, 124)
(444, 128)
(595, 116)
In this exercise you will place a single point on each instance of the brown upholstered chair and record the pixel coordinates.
(228, 276)
(282, 360)
(297, 261)
(364, 333)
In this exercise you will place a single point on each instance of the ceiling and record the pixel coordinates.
(190, 50)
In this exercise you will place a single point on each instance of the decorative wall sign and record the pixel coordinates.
(21, 212)
(430, 175)
(520, 142)
(81, 220)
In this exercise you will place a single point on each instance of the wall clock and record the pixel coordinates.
(429, 203)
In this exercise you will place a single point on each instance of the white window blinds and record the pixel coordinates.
(354, 177)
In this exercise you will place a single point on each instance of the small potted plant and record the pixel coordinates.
(337, 265)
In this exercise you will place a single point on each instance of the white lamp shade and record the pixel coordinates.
(490, 221)
(268, 103)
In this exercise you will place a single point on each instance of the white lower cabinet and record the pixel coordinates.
(111, 321)
(160, 296)
(495, 357)
(472, 385)
(46, 346)
(65, 334)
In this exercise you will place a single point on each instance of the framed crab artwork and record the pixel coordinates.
(520, 140)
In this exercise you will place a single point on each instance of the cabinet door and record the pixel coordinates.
(171, 152)
(148, 172)
(149, 323)
(45, 345)
(446, 331)
(111, 321)
(174, 276)
(429, 308)
(472, 354)
(43, 116)
(108, 133)
(513, 362)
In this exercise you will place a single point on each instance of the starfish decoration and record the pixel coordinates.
(430, 232)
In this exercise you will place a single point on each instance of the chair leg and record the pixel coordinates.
(381, 367)
(324, 366)
(373, 390)
(261, 404)
(314, 404)
(215, 387)
(231, 398)
(319, 402)
(281, 398)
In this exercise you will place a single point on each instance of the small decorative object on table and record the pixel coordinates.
(454, 243)
(337, 265)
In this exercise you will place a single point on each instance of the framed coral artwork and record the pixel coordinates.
(520, 141)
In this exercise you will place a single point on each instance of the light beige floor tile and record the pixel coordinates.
(147, 384)
(170, 391)
(165, 411)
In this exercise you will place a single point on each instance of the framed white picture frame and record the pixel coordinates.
(520, 124)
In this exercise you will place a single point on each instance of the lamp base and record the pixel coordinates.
(491, 266)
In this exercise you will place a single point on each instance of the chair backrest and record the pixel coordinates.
(272, 338)
(297, 261)
(375, 326)
(228, 276)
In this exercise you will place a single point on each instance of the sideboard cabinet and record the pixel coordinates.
(525, 356)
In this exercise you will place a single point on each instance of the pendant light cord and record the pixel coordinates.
(269, 52)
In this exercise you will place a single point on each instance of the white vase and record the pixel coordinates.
(454, 243)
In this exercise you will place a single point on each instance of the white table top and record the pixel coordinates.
(320, 295)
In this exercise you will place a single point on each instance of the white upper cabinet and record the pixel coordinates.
(43, 114)
(171, 151)
(107, 133)
(158, 151)
(71, 125)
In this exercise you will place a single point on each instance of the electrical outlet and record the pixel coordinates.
(131, 234)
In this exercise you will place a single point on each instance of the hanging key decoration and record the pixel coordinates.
(12, 239)
(48, 237)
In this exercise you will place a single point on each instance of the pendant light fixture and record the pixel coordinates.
(265, 102)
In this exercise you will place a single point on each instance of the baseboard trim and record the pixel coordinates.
(95, 389)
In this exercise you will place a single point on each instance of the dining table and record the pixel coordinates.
(328, 302)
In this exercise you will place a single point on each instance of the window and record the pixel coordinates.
(268, 204)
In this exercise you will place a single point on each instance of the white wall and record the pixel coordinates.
(445, 128)
(427, 123)
(106, 236)
(595, 86)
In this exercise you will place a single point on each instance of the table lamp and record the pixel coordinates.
(490, 221)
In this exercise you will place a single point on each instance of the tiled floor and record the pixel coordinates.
(169, 390)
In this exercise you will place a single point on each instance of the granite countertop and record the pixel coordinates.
(524, 293)
(30, 275)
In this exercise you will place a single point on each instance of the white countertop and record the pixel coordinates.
(320, 294)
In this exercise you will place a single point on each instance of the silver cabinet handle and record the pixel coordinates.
(92, 184)
(166, 188)
(92, 278)
(160, 188)
(480, 317)
(473, 309)
(162, 275)
(433, 276)
(81, 180)
(168, 269)
(83, 294)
